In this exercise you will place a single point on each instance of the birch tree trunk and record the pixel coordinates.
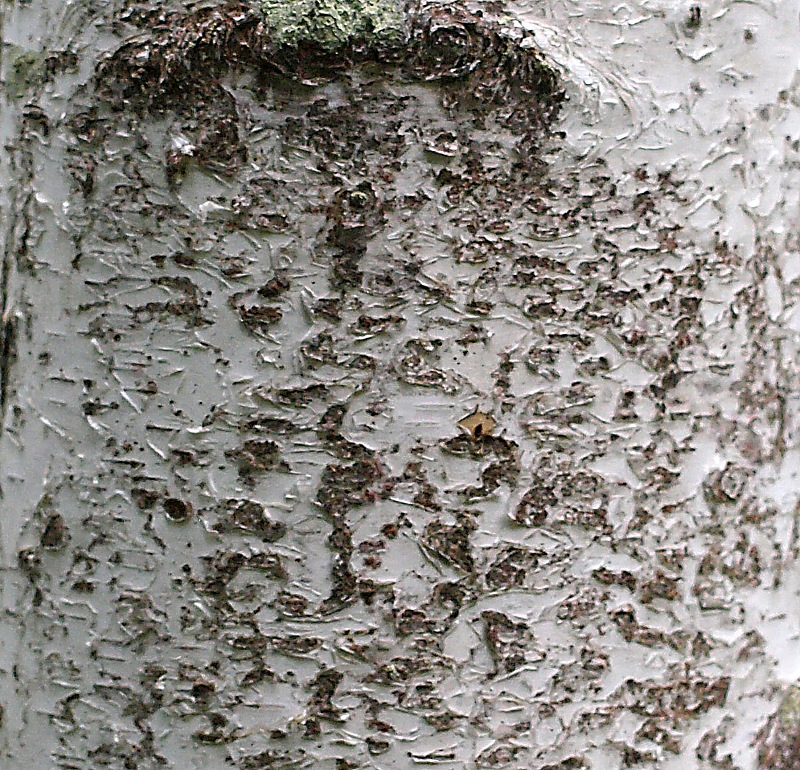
(387, 387)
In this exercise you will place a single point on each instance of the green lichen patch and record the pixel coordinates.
(25, 70)
(332, 24)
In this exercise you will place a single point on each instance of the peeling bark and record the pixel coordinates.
(378, 392)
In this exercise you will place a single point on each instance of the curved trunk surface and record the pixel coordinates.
(384, 388)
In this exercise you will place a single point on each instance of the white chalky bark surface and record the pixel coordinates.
(608, 579)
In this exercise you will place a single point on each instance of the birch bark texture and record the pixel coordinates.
(384, 387)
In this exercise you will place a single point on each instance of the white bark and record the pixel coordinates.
(243, 520)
